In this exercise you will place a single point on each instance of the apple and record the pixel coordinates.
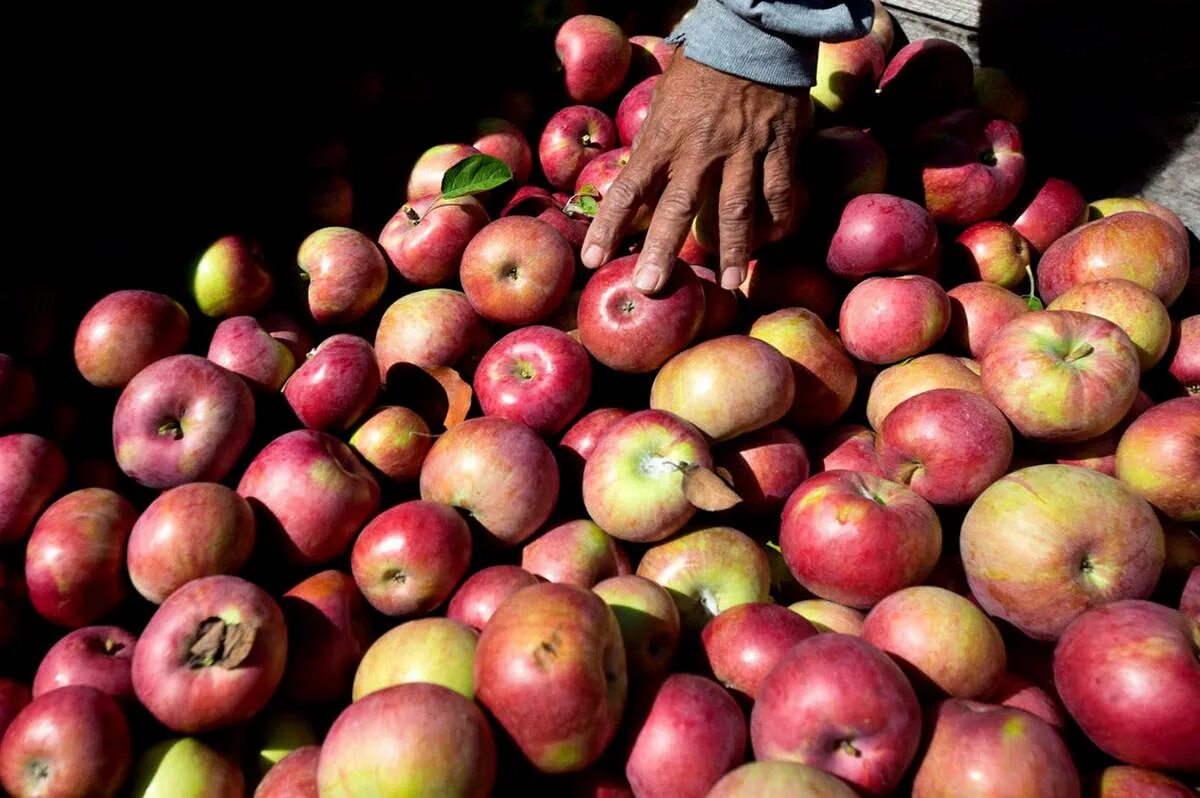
(649, 622)
(231, 278)
(909, 378)
(1159, 457)
(977, 311)
(427, 173)
(18, 391)
(633, 480)
(846, 72)
(502, 139)
(336, 384)
(720, 304)
(995, 93)
(408, 559)
(743, 643)
(310, 494)
(1100, 453)
(211, 655)
(854, 538)
(181, 419)
(346, 274)
(984, 749)
(125, 332)
(395, 441)
(766, 466)
(96, 656)
(599, 175)
(1124, 781)
(693, 734)
(327, 632)
(972, 166)
(32, 470)
(432, 650)
(1130, 245)
(595, 56)
(631, 113)
(844, 163)
(294, 776)
(14, 697)
(278, 734)
(1104, 662)
(1035, 557)
(1111, 206)
(184, 767)
(652, 53)
(1020, 693)
(887, 319)
(74, 556)
(1189, 601)
(536, 375)
(628, 331)
(478, 597)
(580, 439)
(726, 387)
(1184, 363)
(837, 703)
(70, 741)
(575, 553)
(775, 778)
(242, 345)
(1056, 209)
(573, 137)
(1138, 312)
(410, 739)
(1061, 375)
(827, 616)
(425, 239)
(517, 270)
(289, 332)
(434, 327)
(994, 252)
(550, 667)
(707, 571)
(924, 78)
(881, 233)
(849, 447)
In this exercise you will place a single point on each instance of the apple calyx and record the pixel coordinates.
(222, 644)
(37, 771)
(706, 489)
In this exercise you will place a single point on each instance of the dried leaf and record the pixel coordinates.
(239, 640)
(220, 643)
(706, 490)
(458, 394)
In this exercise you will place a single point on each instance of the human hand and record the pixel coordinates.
(704, 126)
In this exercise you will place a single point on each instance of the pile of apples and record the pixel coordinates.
(912, 511)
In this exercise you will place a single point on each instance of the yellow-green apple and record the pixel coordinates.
(631, 113)
(1020, 693)
(193, 530)
(827, 616)
(482, 592)
(649, 622)
(550, 667)
(984, 749)
(905, 380)
(96, 656)
(977, 311)
(74, 559)
(943, 642)
(211, 656)
(972, 166)
(335, 385)
(846, 72)
(849, 447)
(497, 471)
(1126, 781)
(395, 441)
(434, 327)
(766, 466)
(881, 233)
(346, 274)
(1128, 674)
(1159, 457)
(409, 558)
(726, 387)
(1099, 453)
(14, 697)
(310, 494)
(924, 78)
(783, 276)
(125, 332)
(947, 445)
(824, 376)
(887, 319)
(1130, 245)
(184, 767)
(517, 270)
(1183, 363)
(837, 703)
(598, 176)
(181, 419)
(657, 51)
(720, 304)
(231, 278)
(426, 238)
(70, 741)
(995, 93)
(633, 480)
(1056, 209)
(775, 778)
(32, 470)
(1139, 313)
(242, 345)
(693, 734)
(536, 375)
(628, 331)
(327, 632)
(1114, 205)
(576, 553)
(854, 538)
(502, 139)
(294, 776)
(1061, 375)
(742, 644)
(707, 571)
(427, 173)
(843, 163)
(18, 391)
(595, 56)
(432, 650)
(992, 251)
(573, 137)
(411, 739)
(1189, 601)
(1035, 556)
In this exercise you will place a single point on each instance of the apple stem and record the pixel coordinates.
(586, 139)
(413, 217)
(1080, 352)
(848, 748)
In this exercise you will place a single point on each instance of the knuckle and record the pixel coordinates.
(738, 211)
(677, 204)
(778, 191)
(623, 192)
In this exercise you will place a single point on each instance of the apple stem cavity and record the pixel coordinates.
(219, 643)
(848, 748)
(172, 429)
(112, 647)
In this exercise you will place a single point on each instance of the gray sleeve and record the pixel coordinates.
(769, 41)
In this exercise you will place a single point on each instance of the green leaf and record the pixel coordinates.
(582, 204)
(1034, 303)
(474, 175)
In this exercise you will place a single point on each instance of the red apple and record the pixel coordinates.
(1159, 457)
(1189, 601)
(577, 443)
(775, 778)
(599, 175)
(1020, 693)
(96, 656)
(335, 385)
(881, 233)
(826, 616)
(426, 238)
(502, 139)
(972, 166)
(573, 137)
(536, 375)
(766, 467)
(657, 50)
(977, 311)
(909, 378)
(1124, 781)
(395, 440)
(633, 109)
(479, 596)
(649, 622)
(575, 553)
(595, 56)
(823, 373)
(14, 697)
(294, 776)
(125, 332)
(434, 327)
(720, 304)
(517, 270)
(1184, 362)
(850, 447)
(994, 252)
(887, 319)
(431, 166)
(924, 78)
(327, 632)
(346, 274)
(243, 346)
(744, 642)
(32, 470)
(432, 650)
(1056, 209)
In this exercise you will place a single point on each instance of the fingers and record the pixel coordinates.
(778, 188)
(668, 229)
(617, 209)
(735, 215)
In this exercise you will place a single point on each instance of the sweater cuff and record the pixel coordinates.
(719, 38)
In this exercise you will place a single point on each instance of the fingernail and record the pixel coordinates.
(732, 278)
(646, 278)
(593, 256)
